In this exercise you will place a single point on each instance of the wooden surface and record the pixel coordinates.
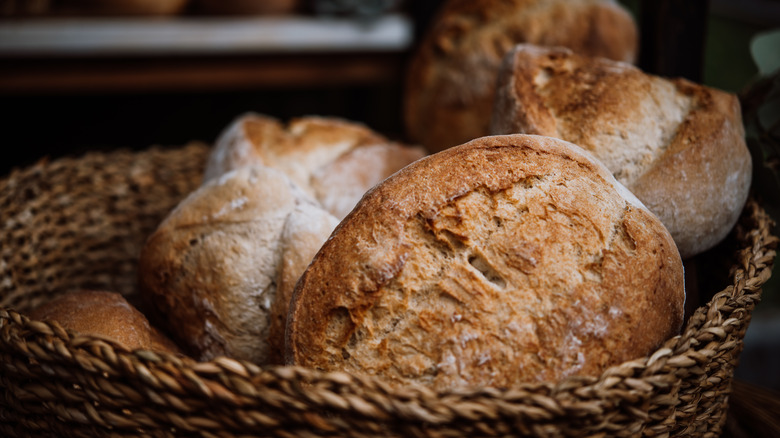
(25, 76)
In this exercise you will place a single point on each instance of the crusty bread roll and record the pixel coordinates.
(508, 259)
(333, 160)
(105, 315)
(678, 146)
(451, 79)
(221, 267)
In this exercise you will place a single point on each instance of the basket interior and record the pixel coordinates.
(81, 223)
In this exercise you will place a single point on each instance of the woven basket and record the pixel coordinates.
(80, 223)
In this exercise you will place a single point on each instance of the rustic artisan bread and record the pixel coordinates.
(451, 79)
(105, 315)
(221, 267)
(333, 160)
(678, 146)
(508, 259)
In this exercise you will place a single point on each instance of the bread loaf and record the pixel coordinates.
(450, 84)
(221, 267)
(104, 315)
(508, 259)
(333, 160)
(678, 146)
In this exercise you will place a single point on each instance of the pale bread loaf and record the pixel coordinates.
(105, 315)
(678, 146)
(450, 84)
(333, 160)
(508, 259)
(222, 265)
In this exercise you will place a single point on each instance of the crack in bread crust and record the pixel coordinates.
(603, 94)
(443, 320)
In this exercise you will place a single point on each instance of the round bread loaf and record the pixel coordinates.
(508, 259)
(222, 266)
(104, 315)
(333, 160)
(678, 146)
(450, 84)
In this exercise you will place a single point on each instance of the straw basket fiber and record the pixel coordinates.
(80, 223)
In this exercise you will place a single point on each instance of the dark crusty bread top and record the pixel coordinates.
(451, 79)
(507, 259)
(678, 146)
(104, 315)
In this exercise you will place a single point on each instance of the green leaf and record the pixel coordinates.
(765, 49)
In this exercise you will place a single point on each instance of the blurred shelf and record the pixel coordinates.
(96, 37)
(183, 54)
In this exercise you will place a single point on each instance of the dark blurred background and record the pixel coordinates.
(70, 83)
(70, 94)
(57, 100)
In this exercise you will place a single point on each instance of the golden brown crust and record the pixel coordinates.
(105, 315)
(451, 79)
(333, 160)
(677, 145)
(508, 259)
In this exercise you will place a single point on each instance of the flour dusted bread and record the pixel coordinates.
(450, 84)
(508, 259)
(221, 267)
(678, 146)
(333, 160)
(105, 315)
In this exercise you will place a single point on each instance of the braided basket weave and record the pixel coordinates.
(80, 223)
